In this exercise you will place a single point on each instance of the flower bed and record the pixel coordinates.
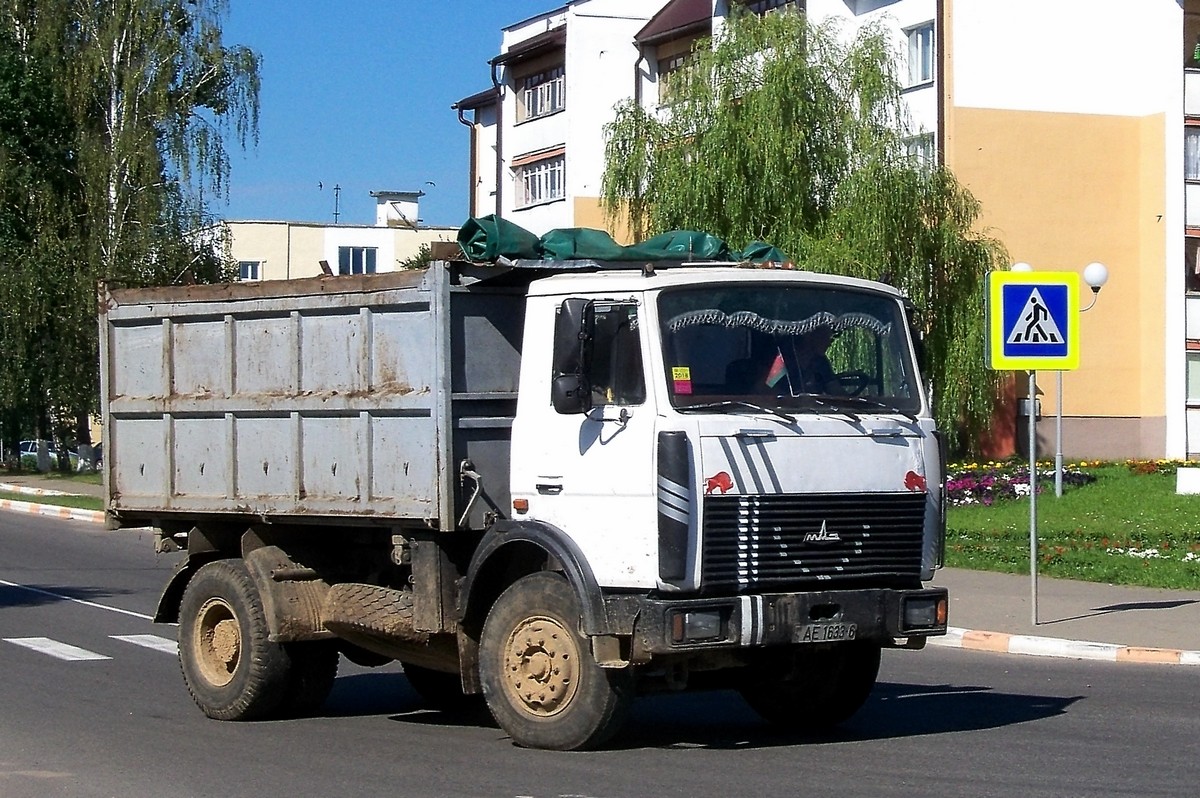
(987, 483)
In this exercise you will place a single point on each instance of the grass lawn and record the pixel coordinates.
(78, 502)
(1125, 527)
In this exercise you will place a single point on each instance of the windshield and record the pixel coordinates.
(806, 348)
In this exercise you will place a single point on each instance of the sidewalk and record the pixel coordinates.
(988, 611)
(1082, 620)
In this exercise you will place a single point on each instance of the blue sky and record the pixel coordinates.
(357, 93)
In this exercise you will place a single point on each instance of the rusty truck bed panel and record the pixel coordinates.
(321, 396)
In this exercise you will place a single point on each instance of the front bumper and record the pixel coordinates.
(882, 615)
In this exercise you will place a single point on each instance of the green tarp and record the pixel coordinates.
(489, 237)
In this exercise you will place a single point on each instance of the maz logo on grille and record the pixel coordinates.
(822, 535)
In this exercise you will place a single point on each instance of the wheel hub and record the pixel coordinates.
(218, 641)
(539, 666)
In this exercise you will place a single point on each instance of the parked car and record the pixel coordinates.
(29, 452)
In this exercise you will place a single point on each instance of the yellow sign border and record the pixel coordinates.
(995, 321)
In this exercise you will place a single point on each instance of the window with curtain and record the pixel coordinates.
(920, 54)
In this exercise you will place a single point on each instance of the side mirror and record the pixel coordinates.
(574, 329)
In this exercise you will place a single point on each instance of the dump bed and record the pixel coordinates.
(285, 400)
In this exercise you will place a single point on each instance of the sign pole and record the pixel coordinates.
(1033, 587)
(1058, 453)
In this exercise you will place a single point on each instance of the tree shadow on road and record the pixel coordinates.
(41, 595)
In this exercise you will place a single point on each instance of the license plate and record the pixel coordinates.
(824, 632)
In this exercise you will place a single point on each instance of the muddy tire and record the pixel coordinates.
(313, 668)
(539, 678)
(812, 691)
(442, 691)
(231, 668)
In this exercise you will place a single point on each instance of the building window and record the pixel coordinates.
(540, 178)
(1191, 263)
(761, 7)
(249, 269)
(920, 54)
(1191, 176)
(668, 69)
(543, 93)
(356, 260)
(1193, 377)
(921, 149)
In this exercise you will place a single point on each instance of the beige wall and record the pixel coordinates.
(290, 250)
(588, 213)
(1063, 190)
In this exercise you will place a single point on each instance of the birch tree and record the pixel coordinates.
(794, 133)
(146, 100)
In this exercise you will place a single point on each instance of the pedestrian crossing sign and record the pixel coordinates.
(1033, 320)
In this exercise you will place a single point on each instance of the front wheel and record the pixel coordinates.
(539, 678)
(232, 670)
(812, 691)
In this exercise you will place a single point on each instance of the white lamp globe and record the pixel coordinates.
(1095, 275)
(1021, 266)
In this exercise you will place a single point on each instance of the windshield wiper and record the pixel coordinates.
(726, 403)
(812, 400)
(865, 401)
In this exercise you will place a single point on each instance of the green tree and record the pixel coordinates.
(792, 132)
(114, 121)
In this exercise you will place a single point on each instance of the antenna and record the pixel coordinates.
(337, 202)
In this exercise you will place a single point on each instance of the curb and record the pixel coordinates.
(70, 513)
(1031, 645)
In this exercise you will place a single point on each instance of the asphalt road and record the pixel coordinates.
(940, 723)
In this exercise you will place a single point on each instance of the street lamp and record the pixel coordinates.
(1095, 274)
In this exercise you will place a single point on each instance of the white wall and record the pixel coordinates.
(600, 58)
(1068, 56)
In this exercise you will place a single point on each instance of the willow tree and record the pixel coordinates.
(792, 132)
(146, 97)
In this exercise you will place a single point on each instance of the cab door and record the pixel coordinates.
(590, 470)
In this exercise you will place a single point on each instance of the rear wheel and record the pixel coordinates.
(539, 678)
(232, 670)
(811, 691)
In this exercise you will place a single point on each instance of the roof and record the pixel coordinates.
(548, 41)
(479, 99)
(677, 19)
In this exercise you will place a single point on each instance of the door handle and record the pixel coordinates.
(549, 488)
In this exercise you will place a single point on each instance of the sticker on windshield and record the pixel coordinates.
(682, 377)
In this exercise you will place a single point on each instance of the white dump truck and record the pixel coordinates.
(555, 484)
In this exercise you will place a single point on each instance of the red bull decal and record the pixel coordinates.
(915, 482)
(721, 481)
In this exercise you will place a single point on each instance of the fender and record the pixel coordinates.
(172, 595)
(555, 543)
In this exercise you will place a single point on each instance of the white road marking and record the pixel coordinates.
(56, 649)
(150, 641)
(77, 601)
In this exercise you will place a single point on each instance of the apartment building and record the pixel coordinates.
(1072, 121)
(538, 133)
(280, 250)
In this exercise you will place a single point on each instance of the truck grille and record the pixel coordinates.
(764, 542)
